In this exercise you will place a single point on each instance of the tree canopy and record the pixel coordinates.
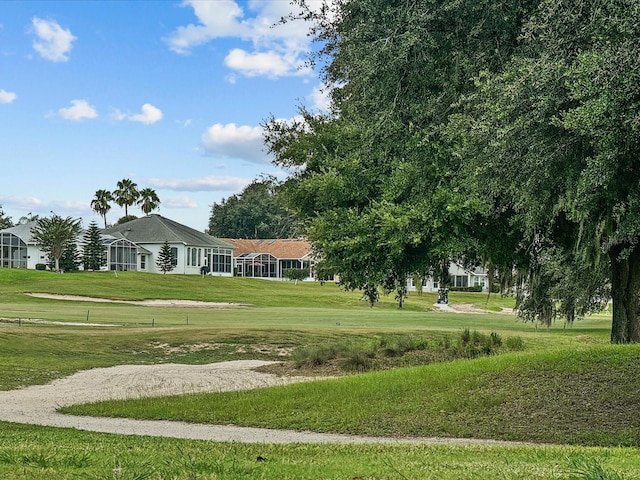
(257, 212)
(101, 203)
(501, 131)
(5, 220)
(126, 194)
(553, 139)
(376, 183)
(166, 261)
(94, 251)
(55, 236)
(148, 200)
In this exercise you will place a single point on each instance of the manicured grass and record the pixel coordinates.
(260, 293)
(38, 453)
(585, 398)
(36, 353)
(285, 316)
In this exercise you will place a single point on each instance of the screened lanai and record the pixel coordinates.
(258, 265)
(122, 255)
(13, 251)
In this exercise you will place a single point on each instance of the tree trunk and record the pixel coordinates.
(625, 292)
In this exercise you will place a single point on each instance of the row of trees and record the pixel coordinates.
(257, 212)
(126, 195)
(505, 132)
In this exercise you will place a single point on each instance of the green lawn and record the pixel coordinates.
(567, 379)
(38, 453)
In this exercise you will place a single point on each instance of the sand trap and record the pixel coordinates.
(146, 303)
(38, 404)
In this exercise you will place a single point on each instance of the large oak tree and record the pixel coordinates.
(554, 139)
(376, 183)
(505, 130)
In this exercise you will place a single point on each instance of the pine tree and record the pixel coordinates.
(166, 260)
(70, 259)
(94, 251)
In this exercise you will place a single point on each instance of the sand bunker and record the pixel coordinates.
(146, 303)
(38, 404)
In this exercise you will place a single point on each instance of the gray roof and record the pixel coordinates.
(23, 231)
(157, 229)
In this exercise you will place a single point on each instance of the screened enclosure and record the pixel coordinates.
(13, 253)
(259, 265)
(122, 255)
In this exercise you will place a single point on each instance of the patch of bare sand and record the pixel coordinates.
(469, 308)
(146, 303)
(38, 404)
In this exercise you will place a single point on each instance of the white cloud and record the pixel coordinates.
(53, 42)
(202, 184)
(25, 203)
(270, 64)
(117, 115)
(217, 19)
(7, 97)
(181, 201)
(79, 110)
(232, 141)
(320, 98)
(149, 115)
(276, 49)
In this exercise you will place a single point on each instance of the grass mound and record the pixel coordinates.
(583, 398)
(392, 351)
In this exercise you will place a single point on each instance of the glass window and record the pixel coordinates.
(459, 281)
(174, 254)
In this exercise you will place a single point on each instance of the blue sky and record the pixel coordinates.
(169, 94)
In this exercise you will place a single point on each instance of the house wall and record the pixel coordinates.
(35, 256)
(184, 266)
(459, 274)
(151, 258)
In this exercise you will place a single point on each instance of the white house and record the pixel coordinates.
(19, 250)
(459, 276)
(134, 245)
(193, 251)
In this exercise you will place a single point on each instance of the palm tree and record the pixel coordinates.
(100, 204)
(148, 200)
(126, 194)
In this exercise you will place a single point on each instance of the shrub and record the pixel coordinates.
(514, 343)
(313, 356)
(475, 288)
(296, 274)
(357, 361)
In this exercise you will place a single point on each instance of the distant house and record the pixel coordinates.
(459, 276)
(271, 258)
(131, 246)
(19, 250)
(194, 252)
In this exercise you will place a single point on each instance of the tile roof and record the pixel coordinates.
(279, 248)
(158, 229)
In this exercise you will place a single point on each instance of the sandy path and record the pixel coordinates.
(37, 404)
